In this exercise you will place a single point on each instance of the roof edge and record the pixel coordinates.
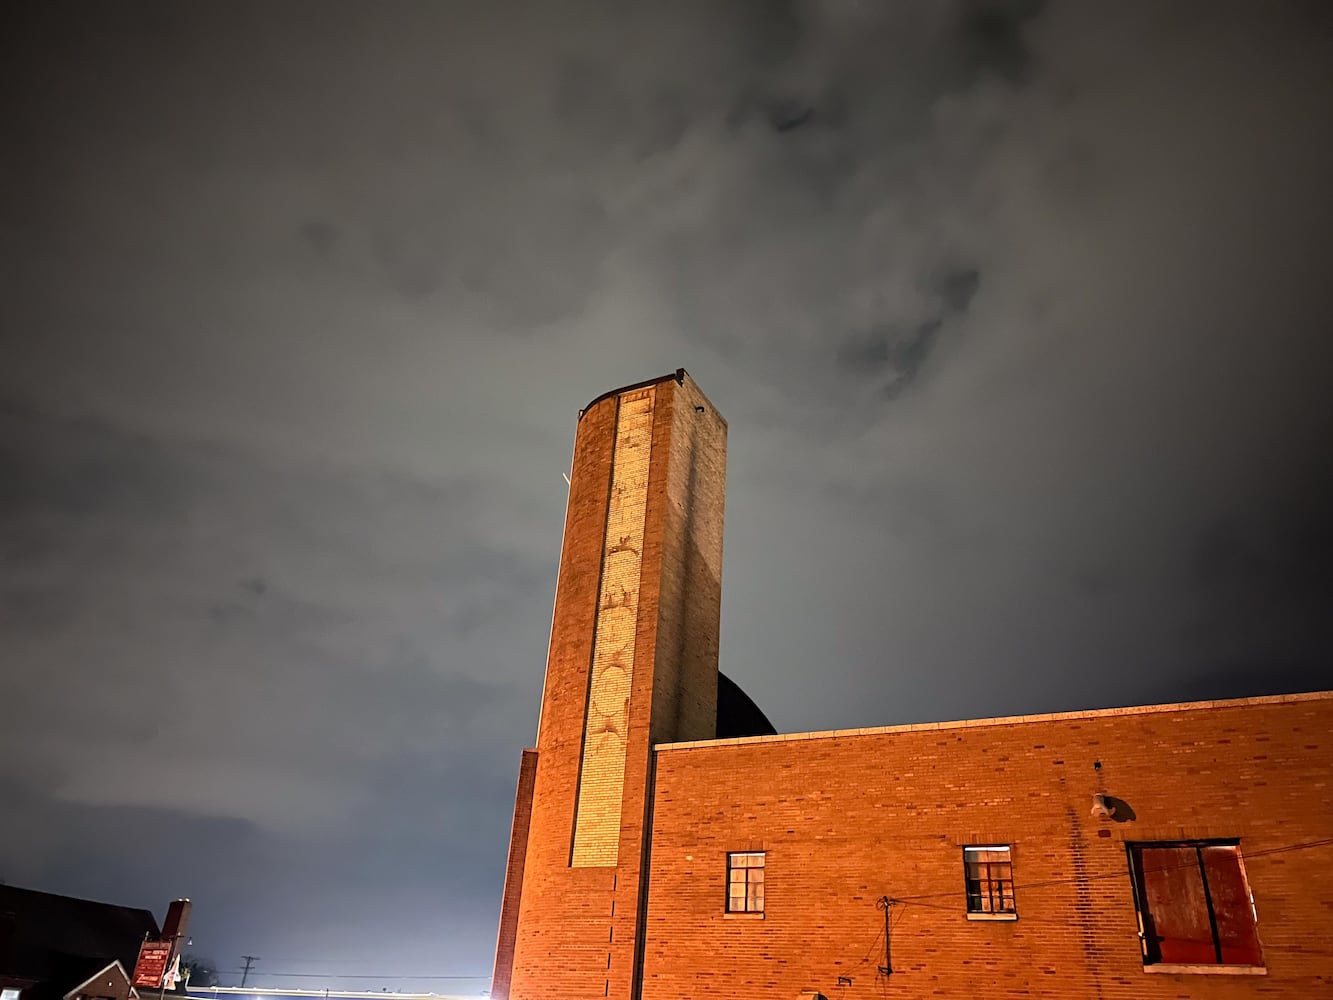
(81, 899)
(113, 964)
(1010, 720)
(678, 376)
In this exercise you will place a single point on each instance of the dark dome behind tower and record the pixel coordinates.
(737, 714)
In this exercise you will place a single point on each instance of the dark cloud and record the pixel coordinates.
(1018, 313)
(895, 356)
(993, 36)
(186, 587)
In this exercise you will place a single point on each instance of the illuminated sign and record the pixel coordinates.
(152, 963)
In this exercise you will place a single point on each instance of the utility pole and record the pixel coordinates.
(250, 960)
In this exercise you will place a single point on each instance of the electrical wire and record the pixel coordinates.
(1024, 918)
(917, 900)
(870, 951)
(335, 975)
(1124, 873)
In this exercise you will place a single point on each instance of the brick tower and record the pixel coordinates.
(632, 663)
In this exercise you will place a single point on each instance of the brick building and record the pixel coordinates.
(667, 844)
(62, 948)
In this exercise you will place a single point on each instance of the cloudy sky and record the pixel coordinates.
(1019, 313)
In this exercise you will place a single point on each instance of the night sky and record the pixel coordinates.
(1019, 314)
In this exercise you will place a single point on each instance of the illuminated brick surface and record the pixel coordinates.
(649, 473)
(850, 816)
(602, 776)
(634, 806)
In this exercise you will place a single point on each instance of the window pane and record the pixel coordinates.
(1232, 909)
(745, 881)
(1176, 926)
(988, 879)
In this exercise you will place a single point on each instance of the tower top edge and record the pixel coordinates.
(678, 376)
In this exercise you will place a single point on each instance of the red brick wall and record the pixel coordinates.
(690, 596)
(577, 926)
(847, 818)
(513, 887)
(564, 913)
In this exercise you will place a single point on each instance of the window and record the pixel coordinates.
(989, 873)
(745, 882)
(1194, 904)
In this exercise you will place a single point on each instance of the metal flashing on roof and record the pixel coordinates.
(1009, 720)
(678, 376)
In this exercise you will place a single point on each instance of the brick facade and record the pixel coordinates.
(637, 601)
(513, 889)
(627, 809)
(846, 818)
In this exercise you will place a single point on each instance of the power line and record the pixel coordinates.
(1124, 873)
(1026, 917)
(356, 975)
(916, 900)
(324, 961)
(866, 957)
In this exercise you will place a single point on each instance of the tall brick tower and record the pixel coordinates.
(632, 663)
